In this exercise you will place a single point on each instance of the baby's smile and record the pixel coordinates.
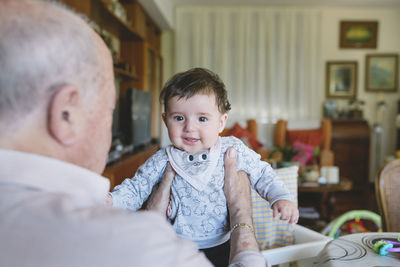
(190, 141)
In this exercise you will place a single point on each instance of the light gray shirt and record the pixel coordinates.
(52, 215)
(197, 215)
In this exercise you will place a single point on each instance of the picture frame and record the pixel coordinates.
(358, 34)
(381, 72)
(341, 79)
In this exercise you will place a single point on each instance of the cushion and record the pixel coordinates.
(305, 153)
(246, 137)
(274, 233)
(309, 137)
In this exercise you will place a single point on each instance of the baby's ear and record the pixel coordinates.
(222, 122)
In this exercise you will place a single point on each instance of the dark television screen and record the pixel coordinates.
(140, 116)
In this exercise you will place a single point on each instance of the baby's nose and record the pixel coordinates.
(189, 126)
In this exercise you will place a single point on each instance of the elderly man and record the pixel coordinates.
(57, 96)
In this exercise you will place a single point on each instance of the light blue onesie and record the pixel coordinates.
(199, 210)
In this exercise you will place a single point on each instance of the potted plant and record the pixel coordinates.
(284, 155)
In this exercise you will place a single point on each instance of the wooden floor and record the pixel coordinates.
(344, 201)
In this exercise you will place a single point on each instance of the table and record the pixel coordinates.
(327, 194)
(356, 250)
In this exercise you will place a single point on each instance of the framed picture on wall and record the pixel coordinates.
(341, 79)
(381, 72)
(358, 34)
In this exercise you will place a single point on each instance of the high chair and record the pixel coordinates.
(279, 241)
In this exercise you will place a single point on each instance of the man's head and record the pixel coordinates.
(196, 107)
(56, 84)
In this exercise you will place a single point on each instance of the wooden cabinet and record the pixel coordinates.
(350, 145)
(127, 166)
(135, 44)
(136, 47)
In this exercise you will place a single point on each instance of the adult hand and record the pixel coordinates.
(237, 193)
(160, 196)
(236, 186)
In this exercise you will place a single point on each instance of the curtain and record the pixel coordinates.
(268, 58)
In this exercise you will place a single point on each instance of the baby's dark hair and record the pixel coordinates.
(194, 81)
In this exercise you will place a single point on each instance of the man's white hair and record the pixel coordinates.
(42, 47)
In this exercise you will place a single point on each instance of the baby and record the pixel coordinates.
(196, 107)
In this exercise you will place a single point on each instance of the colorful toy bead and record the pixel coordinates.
(384, 250)
(383, 247)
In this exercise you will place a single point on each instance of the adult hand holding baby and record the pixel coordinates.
(238, 198)
(160, 196)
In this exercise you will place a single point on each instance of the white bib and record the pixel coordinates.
(196, 168)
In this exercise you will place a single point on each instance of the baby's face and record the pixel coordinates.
(194, 123)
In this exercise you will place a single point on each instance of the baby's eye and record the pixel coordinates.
(178, 118)
(202, 157)
(202, 119)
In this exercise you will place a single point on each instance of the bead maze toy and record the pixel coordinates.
(383, 247)
(353, 223)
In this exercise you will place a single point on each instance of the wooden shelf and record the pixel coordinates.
(126, 74)
(114, 24)
(139, 46)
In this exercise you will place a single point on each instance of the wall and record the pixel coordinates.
(167, 51)
(388, 42)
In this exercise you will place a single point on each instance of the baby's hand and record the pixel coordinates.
(287, 210)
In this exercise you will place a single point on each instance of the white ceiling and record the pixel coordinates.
(162, 10)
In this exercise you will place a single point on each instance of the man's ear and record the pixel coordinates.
(222, 122)
(63, 115)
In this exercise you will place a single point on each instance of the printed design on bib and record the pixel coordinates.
(195, 164)
(196, 169)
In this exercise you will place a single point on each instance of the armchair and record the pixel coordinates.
(250, 133)
(386, 187)
(321, 136)
(283, 134)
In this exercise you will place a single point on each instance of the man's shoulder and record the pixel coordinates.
(143, 238)
(50, 211)
(101, 220)
(89, 236)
